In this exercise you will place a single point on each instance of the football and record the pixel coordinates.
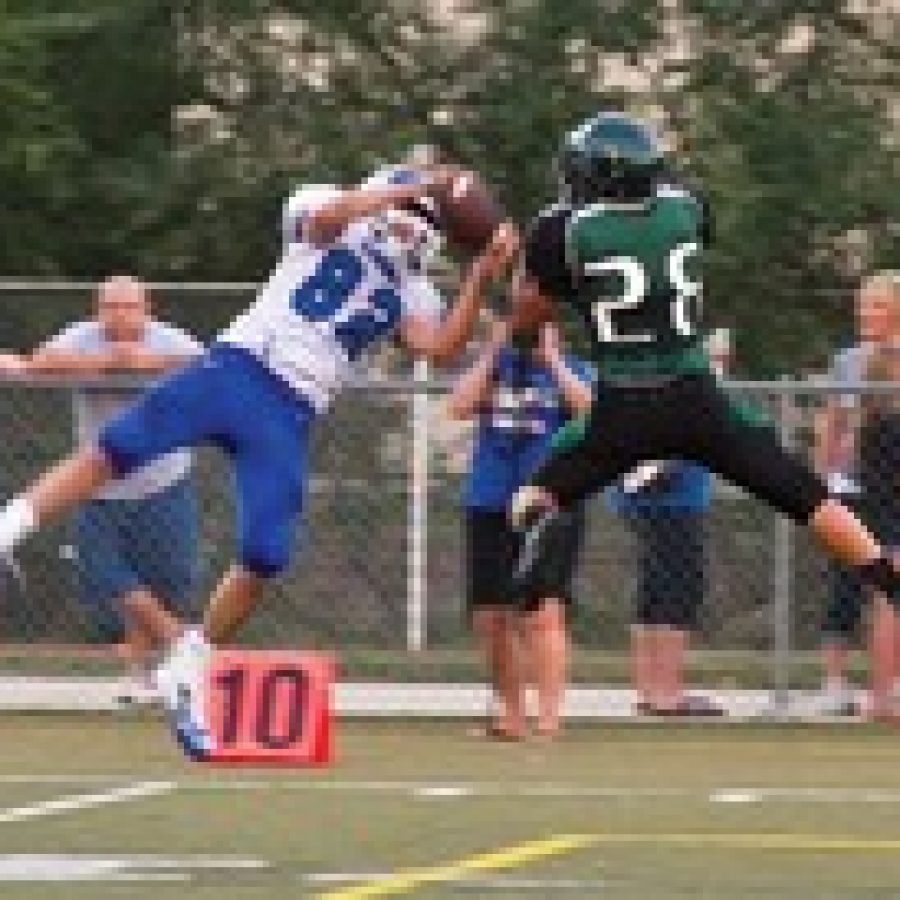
(470, 213)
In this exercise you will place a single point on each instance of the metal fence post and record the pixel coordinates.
(783, 586)
(417, 528)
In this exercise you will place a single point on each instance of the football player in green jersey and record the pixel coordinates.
(622, 249)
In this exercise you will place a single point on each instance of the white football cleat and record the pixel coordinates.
(181, 679)
(17, 522)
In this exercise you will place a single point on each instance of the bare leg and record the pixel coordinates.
(670, 647)
(136, 647)
(228, 607)
(548, 649)
(642, 663)
(497, 636)
(843, 535)
(68, 483)
(233, 600)
(151, 618)
(834, 660)
(883, 655)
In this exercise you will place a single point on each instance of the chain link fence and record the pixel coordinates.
(378, 568)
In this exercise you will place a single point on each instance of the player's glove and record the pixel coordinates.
(527, 500)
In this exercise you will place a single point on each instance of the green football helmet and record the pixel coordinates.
(611, 156)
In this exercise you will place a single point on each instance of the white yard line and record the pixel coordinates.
(805, 795)
(132, 786)
(76, 802)
(83, 867)
(48, 867)
(448, 789)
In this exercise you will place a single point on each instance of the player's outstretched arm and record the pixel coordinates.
(326, 222)
(441, 342)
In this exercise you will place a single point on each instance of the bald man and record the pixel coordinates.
(135, 544)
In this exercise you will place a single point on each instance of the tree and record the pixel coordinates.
(784, 120)
(174, 160)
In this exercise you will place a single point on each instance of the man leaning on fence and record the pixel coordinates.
(136, 541)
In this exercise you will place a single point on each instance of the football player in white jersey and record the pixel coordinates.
(351, 273)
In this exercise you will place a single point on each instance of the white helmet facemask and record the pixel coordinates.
(412, 238)
(411, 232)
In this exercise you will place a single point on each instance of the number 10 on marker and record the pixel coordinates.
(271, 706)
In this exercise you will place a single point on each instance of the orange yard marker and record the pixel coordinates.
(271, 706)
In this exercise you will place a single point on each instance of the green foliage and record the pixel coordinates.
(161, 136)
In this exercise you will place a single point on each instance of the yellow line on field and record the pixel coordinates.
(405, 881)
(507, 858)
(758, 841)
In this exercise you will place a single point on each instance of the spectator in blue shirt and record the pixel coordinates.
(135, 544)
(666, 503)
(521, 390)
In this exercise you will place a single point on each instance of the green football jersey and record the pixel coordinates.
(632, 274)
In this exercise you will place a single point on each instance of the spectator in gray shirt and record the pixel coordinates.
(136, 541)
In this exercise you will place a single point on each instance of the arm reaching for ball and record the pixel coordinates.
(325, 223)
(442, 341)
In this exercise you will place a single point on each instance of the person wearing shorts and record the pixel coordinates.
(851, 428)
(521, 392)
(665, 505)
(879, 465)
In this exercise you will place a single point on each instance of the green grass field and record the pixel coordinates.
(424, 810)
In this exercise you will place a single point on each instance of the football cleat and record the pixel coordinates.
(181, 679)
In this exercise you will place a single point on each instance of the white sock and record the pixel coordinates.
(193, 635)
(17, 522)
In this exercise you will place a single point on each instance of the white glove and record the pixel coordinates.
(641, 476)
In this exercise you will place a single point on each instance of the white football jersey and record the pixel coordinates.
(323, 307)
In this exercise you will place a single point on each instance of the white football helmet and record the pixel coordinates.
(414, 228)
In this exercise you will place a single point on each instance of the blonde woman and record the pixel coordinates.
(837, 455)
(879, 480)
